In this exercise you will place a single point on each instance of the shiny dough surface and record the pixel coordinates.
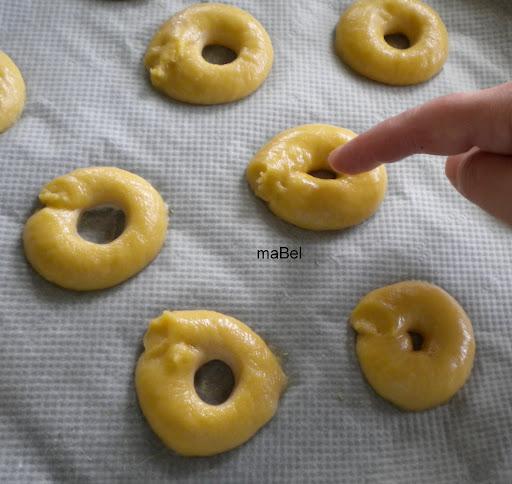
(361, 44)
(413, 379)
(279, 174)
(56, 250)
(12, 92)
(176, 65)
(176, 345)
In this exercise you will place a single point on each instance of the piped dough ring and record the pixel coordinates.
(360, 40)
(56, 250)
(176, 65)
(176, 345)
(279, 174)
(12, 92)
(429, 376)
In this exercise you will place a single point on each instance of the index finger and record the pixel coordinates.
(445, 126)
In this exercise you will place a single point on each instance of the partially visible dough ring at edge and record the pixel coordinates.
(360, 40)
(176, 65)
(56, 250)
(280, 174)
(12, 92)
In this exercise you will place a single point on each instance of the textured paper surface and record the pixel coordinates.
(68, 411)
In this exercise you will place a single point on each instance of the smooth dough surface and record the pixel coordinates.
(12, 92)
(413, 379)
(361, 44)
(176, 65)
(176, 345)
(279, 174)
(56, 250)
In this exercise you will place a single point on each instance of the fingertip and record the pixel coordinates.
(334, 159)
(339, 163)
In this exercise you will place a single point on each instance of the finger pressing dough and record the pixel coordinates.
(280, 174)
(360, 40)
(12, 92)
(176, 345)
(56, 250)
(176, 65)
(389, 320)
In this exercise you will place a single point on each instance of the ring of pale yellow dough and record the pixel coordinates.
(176, 65)
(279, 174)
(176, 345)
(56, 250)
(360, 40)
(12, 92)
(429, 376)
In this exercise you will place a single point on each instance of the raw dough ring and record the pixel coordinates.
(176, 65)
(56, 250)
(176, 345)
(429, 376)
(279, 174)
(360, 40)
(12, 92)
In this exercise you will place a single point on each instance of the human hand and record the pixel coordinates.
(474, 128)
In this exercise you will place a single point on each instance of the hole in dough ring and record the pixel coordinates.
(360, 40)
(413, 379)
(12, 92)
(176, 345)
(56, 250)
(176, 64)
(280, 175)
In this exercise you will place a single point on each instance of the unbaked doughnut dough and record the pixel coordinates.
(176, 65)
(360, 40)
(12, 92)
(56, 250)
(387, 319)
(176, 345)
(280, 174)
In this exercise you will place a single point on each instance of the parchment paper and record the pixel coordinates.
(68, 410)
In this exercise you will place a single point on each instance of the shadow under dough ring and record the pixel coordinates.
(56, 250)
(386, 321)
(176, 65)
(280, 175)
(12, 92)
(176, 345)
(360, 40)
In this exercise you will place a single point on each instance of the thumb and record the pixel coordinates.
(485, 179)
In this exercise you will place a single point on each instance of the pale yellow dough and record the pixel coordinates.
(176, 345)
(413, 379)
(12, 92)
(56, 250)
(360, 40)
(279, 174)
(176, 65)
